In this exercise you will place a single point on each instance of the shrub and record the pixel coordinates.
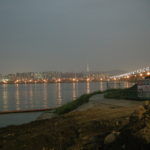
(75, 104)
(129, 93)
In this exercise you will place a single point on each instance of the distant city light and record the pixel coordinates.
(148, 73)
(73, 79)
(58, 80)
(141, 74)
(88, 79)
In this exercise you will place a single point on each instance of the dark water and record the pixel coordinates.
(37, 96)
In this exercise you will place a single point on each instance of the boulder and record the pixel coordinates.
(110, 138)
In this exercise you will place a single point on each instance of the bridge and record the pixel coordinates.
(133, 75)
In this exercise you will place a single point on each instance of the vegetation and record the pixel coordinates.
(128, 93)
(75, 104)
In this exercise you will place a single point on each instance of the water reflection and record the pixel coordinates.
(116, 84)
(127, 85)
(5, 97)
(120, 85)
(17, 98)
(45, 95)
(58, 94)
(31, 96)
(101, 86)
(87, 87)
(74, 90)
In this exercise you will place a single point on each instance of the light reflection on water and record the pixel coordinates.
(88, 87)
(31, 96)
(74, 90)
(58, 94)
(45, 96)
(5, 97)
(101, 86)
(17, 98)
(35, 96)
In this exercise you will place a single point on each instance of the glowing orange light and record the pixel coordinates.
(45, 81)
(148, 73)
(16, 81)
(58, 80)
(73, 79)
(88, 79)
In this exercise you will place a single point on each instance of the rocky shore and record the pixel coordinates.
(100, 124)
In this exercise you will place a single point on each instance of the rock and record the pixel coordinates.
(123, 146)
(117, 123)
(135, 134)
(143, 135)
(110, 138)
(146, 104)
(137, 114)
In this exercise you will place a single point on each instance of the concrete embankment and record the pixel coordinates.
(25, 111)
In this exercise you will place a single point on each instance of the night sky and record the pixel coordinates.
(65, 35)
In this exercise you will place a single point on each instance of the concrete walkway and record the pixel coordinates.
(99, 100)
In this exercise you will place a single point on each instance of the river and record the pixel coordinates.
(41, 96)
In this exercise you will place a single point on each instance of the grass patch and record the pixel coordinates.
(75, 104)
(128, 93)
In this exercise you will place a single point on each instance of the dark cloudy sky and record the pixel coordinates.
(65, 35)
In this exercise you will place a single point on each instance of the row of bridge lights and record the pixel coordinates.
(133, 74)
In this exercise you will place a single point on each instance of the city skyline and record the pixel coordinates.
(69, 71)
(66, 35)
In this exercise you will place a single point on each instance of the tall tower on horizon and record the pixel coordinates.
(87, 68)
(87, 71)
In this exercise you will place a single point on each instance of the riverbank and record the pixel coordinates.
(97, 124)
(92, 101)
